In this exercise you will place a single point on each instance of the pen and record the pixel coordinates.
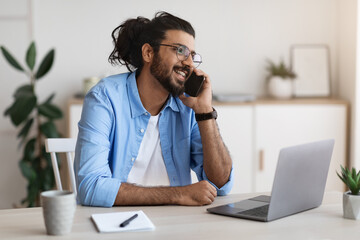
(127, 221)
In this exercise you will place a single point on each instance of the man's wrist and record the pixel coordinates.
(206, 116)
(201, 110)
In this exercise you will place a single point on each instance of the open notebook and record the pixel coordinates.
(110, 222)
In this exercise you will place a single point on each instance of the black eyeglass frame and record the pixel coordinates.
(193, 54)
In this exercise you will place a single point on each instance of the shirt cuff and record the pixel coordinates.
(226, 188)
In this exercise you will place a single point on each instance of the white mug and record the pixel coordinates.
(58, 211)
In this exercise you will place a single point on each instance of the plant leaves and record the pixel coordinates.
(27, 170)
(31, 56)
(21, 109)
(50, 98)
(24, 90)
(353, 173)
(11, 60)
(29, 150)
(8, 110)
(25, 130)
(49, 110)
(351, 178)
(33, 192)
(48, 129)
(341, 177)
(46, 64)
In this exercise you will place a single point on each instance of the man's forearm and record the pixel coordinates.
(217, 161)
(130, 194)
(200, 193)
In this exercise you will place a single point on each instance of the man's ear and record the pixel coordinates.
(147, 52)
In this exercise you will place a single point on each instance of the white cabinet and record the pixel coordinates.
(255, 132)
(278, 126)
(236, 129)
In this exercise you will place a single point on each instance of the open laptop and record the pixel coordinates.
(299, 185)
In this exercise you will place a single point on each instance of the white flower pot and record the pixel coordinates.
(351, 206)
(280, 87)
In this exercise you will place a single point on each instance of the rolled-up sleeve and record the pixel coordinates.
(95, 184)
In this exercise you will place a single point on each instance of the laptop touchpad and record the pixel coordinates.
(247, 204)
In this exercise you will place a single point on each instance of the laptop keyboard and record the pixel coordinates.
(258, 212)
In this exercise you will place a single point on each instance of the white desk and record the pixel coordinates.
(178, 222)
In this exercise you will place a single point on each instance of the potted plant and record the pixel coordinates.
(35, 121)
(351, 199)
(280, 84)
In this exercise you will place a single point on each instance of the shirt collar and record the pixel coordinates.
(136, 107)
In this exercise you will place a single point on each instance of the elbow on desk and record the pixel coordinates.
(100, 192)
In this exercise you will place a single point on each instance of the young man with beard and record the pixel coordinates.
(139, 135)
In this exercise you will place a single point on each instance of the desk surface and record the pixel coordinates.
(178, 222)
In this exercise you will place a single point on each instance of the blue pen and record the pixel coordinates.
(127, 221)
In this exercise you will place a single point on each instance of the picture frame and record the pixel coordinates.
(311, 64)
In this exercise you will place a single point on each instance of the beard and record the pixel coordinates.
(162, 73)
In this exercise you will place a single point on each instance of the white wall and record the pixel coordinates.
(233, 36)
(15, 34)
(347, 30)
(355, 130)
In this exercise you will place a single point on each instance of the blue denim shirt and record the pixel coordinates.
(112, 126)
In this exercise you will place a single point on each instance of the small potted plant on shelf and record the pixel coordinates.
(280, 84)
(351, 199)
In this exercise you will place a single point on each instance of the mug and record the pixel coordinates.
(58, 211)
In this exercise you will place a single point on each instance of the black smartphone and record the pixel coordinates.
(193, 84)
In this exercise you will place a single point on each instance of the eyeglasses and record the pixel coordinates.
(183, 53)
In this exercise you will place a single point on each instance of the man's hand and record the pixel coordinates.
(197, 194)
(203, 102)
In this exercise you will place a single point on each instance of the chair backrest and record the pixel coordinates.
(62, 145)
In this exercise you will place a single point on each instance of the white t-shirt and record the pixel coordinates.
(149, 167)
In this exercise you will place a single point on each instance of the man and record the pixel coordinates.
(138, 133)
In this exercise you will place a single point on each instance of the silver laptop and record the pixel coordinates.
(299, 185)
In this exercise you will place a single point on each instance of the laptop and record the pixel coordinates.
(299, 185)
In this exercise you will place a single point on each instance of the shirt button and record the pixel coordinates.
(142, 130)
(146, 113)
(132, 159)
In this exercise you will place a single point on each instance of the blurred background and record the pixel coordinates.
(234, 37)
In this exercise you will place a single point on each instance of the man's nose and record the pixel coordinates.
(188, 62)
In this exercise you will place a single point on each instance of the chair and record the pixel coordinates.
(62, 145)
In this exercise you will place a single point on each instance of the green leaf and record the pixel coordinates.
(31, 56)
(24, 90)
(33, 192)
(353, 173)
(8, 110)
(21, 109)
(49, 130)
(49, 110)
(29, 150)
(25, 130)
(11, 60)
(27, 170)
(342, 178)
(46, 64)
(50, 98)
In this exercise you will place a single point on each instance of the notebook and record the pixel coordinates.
(110, 222)
(299, 185)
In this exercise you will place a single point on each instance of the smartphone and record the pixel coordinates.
(193, 84)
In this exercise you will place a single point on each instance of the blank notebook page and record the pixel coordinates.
(110, 222)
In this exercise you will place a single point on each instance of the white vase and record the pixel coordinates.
(351, 206)
(280, 87)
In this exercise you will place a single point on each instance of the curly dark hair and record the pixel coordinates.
(132, 34)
